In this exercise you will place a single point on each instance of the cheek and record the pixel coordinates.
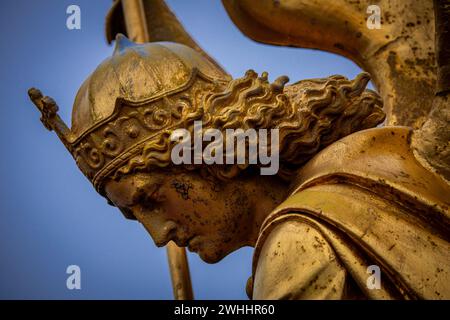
(197, 210)
(178, 209)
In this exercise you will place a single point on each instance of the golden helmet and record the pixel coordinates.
(126, 101)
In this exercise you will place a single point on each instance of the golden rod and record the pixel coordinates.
(135, 23)
(136, 26)
(179, 272)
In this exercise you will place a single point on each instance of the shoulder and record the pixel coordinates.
(292, 259)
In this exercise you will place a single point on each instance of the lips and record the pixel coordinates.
(183, 242)
(193, 245)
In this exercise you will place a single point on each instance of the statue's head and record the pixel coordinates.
(131, 116)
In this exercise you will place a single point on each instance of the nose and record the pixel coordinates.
(156, 223)
(161, 232)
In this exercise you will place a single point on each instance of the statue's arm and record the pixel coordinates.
(296, 262)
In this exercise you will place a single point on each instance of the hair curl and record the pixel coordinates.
(309, 115)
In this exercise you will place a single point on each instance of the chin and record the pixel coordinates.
(212, 256)
(209, 258)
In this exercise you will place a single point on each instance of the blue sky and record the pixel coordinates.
(51, 217)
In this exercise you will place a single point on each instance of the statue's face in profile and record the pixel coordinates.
(202, 214)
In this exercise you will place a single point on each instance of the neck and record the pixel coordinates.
(264, 195)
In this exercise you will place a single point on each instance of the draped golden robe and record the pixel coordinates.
(365, 200)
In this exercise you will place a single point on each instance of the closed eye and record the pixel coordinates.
(148, 201)
(149, 198)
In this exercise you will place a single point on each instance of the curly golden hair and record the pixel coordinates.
(309, 115)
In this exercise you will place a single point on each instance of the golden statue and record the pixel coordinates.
(348, 195)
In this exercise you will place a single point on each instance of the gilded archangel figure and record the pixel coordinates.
(350, 193)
